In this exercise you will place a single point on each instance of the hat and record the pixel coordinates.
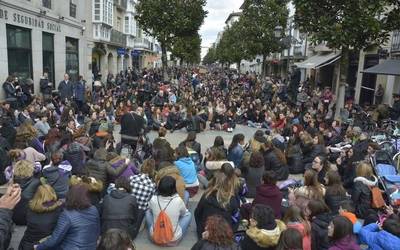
(97, 84)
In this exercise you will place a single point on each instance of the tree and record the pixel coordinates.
(187, 48)
(260, 19)
(345, 25)
(168, 19)
(210, 57)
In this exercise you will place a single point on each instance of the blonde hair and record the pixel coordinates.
(44, 194)
(223, 187)
(14, 154)
(364, 170)
(24, 169)
(91, 183)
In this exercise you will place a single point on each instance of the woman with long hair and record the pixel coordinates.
(190, 142)
(294, 219)
(275, 160)
(335, 192)
(116, 239)
(340, 232)
(290, 240)
(218, 235)
(320, 217)
(78, 226)
(312, 190)
(236, 149)
(52, 141)
(219, 198)
(42, 216)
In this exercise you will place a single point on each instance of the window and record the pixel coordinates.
(72, 58)
(126, 25)
(72, 9)
(119, 28)
(48, 55)
(19, 52)
(46, 3)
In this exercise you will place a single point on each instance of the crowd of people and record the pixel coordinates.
(75, 186)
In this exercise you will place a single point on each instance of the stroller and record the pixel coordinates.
(389, 181)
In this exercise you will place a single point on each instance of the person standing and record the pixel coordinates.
(65, 88)
(46, 86)
(79, 92)
(379, 94)
(132, 126)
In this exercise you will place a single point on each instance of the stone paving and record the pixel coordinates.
(206, 139)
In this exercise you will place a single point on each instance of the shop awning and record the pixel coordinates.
(388, 67)
(318, 61)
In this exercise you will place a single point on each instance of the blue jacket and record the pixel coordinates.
(377, 239)
(236, 155)
(75, 230)
(79, 91)
(187, 169)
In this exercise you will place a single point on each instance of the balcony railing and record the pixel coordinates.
(118, 38)
(396, 42)
(142, 43)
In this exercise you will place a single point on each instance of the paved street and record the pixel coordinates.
(206, 139)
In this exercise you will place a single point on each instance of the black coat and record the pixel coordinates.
(272, 162)
(319, 231)
(28, 187)
(208, 206)
(295, 160)
(39, 226)
(45, 89)
(333, 201)
(119, 210)
(9, 90)
(5, 227)
(362, 196)
(65, 90)
(316, 150)
(132, 125)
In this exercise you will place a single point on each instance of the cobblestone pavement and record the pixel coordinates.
(206, 139)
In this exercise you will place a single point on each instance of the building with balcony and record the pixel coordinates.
(118, 42)
(43, 36)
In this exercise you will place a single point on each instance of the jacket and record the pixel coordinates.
(5, 227)
(193, 145)
(65, 90)
(262, 239)
(58, 177)
(319, 232)
(9, 90)
(269, 195)
(129, 171)
(132, 125)
(28, 187)
(39, 226)
(195, 124)
(333, 201)
(306, 235)
(236, 155)
(100, 168)
(272, 162)
(315, 151)
(187, 170)
(119, 210)
(208, 206)
(206, 245)
(172, 171)
(75, 155)
(377, 239)
(347, 243)
(253, 178)
(45, 89)
(362, 196)
(295, 160)
(75, 230)
(79, 91)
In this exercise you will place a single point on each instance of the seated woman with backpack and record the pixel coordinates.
(167, 218)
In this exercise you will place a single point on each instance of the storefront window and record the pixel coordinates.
(48, 55)
(19, 52)
(72, 58)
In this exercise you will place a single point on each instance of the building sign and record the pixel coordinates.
(135, 53)
(121, 51)
(19, 18)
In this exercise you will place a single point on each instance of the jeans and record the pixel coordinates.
(183, 222)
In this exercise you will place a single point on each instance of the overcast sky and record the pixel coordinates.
(218, 12)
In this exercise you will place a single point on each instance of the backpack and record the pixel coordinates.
(163, 232)
(377, 200)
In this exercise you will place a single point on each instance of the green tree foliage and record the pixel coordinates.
(210, 57)
(187, 49)
(167, 19)
(260, 19)
(345, 25)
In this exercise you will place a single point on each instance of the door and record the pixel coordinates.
(368, 82)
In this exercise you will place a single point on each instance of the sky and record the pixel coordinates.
(218, 12)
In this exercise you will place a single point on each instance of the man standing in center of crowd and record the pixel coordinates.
(66, 88)
(132, 126)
